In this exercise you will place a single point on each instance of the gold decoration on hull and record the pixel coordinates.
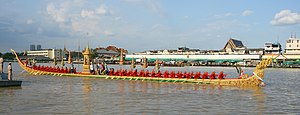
(157, 65)
(121, 57)
(54, 61)
(62, 61)
(87, 60)
(132, 66)
(70, 58)
(145, 64)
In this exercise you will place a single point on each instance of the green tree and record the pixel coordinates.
(8, 56)
(94, 54)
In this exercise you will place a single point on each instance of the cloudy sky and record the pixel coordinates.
(139, 25)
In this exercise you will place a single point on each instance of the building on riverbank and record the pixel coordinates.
(233, 52)
(292, 49)
(110, 54)
(36, 52)
(292, 52)
(48, 53)
(292, 46)
(272, 50)
(234, 46)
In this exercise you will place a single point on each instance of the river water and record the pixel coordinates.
(66, 95)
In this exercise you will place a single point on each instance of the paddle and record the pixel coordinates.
(258, 77)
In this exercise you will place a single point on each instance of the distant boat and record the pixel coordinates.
(254, 80)
(4, 82)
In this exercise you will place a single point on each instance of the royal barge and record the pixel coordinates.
(255, 80)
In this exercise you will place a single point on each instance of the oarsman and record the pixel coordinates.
(57, 69)
(66, 70)
(74, 69)
(142, 73)
(158, 74)
(9, 70)
(166, 74)
(38, 67)
(197, 75)
(176, 74)
(134, 73)
(43, 68)
(179, 75)
(1, 65)
(61, 70)
(147, 73)
(192, 75)
(124, 72)
(212, 75)
(121, 72)
(47, 68)
(129, 73)
(242, 75)
(172, 74)
(184, 74)
(116, 73)
(221, 75)
(188, 75)
(152, 74)
(111, 72)
(205, 75)
(50, 69)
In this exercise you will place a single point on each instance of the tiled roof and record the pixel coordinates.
(237, 43)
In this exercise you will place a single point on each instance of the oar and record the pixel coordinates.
(258, 77)
(144, 79)
(184, 81)
(175, 80)
(23, 71)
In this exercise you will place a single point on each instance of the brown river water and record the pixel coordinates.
(94, 96)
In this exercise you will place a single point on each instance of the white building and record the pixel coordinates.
(234, 46)
(292, 46)
(259, 51)
(272, 48)
(50, 53)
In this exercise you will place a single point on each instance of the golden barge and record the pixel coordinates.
(254, 80)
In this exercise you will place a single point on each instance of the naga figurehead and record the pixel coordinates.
(259, 69)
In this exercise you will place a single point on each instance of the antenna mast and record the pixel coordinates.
(78, 50)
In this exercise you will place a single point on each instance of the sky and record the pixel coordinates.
(139, 25)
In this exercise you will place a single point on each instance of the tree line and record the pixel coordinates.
(8, 56)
